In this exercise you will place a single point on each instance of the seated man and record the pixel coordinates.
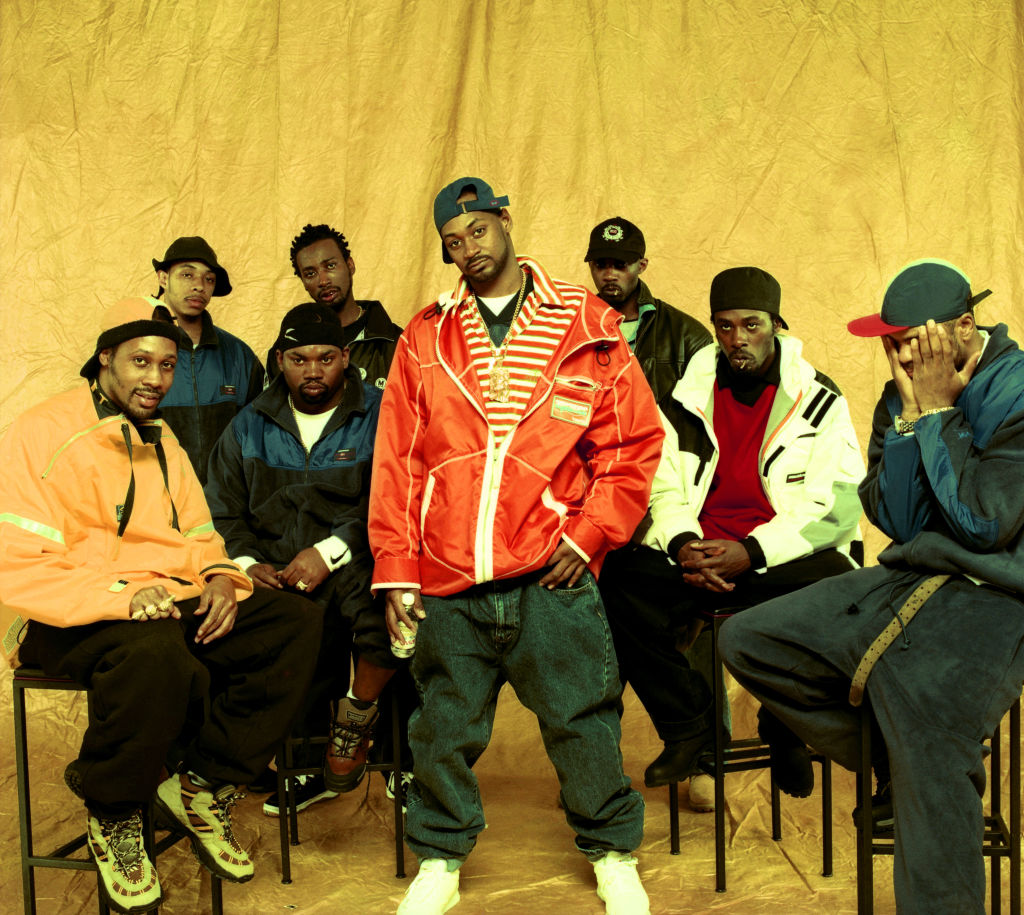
(945, 480)
(107, 548)
(289, 486)
(756, 496)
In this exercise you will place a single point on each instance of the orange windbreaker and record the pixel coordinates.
(66, 476)
(451, 507)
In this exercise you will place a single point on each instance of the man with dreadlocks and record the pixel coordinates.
(111, 573)
(322, 260)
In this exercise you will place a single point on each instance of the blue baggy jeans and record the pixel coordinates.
(936, 695)
(555, 649)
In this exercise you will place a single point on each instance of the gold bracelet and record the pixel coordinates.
(936, 410)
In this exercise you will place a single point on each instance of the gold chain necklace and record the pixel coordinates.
(499, 384)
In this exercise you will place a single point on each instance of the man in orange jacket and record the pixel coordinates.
(107, 550)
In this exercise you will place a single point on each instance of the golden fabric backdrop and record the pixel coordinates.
(829, 142)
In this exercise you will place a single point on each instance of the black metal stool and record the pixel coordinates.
(740, 755)
(26, 678)
(1002, 834)
(288, 816)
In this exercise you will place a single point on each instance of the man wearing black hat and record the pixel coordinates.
(288, 489)
(108, 550)
(945, 481)
(516, 447)
(217, 374)
(756, 496)
(662, 337)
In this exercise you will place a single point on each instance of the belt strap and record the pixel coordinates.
(888, 635)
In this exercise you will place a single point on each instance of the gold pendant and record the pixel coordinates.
(500, 387)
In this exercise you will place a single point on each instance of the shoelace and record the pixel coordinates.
(345, 739)
(223, 801)
(124, 839)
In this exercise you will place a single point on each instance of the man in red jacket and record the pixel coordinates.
(516, 446)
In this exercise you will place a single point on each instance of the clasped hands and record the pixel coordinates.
(712, 564)
(305, 573)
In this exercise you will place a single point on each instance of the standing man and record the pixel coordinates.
(217, 374)
(107, 549)
(289, 488)
(517, 444)
(757, 496)
(946, 481)
(662, 337)
(321, 259)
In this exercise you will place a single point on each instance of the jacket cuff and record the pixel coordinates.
(584, 537)
(678, 542)
(757, 561)
(395, 572)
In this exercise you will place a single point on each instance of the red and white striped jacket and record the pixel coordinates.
(453, 504)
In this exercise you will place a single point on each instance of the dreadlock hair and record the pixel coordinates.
(311, 234)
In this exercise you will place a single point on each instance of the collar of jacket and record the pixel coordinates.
(543, 288)
(795, 373)
(273, 402)
(378, 324)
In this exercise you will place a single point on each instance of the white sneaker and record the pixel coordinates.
(702, 793)
(618, 884)
(434, 891)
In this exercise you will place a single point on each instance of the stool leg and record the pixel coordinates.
(673, 817)
(995, 802)
(776, 813)
(1014, 811)
(28, 882)
(396, 770)
(283, 761)
(718, 691)
(865, 831)
(826, 817)
(216, 895)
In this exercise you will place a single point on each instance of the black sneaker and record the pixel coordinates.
(882, 818)
(389, 786)
(308, 790)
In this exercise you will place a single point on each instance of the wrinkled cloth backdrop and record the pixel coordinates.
(827, 142)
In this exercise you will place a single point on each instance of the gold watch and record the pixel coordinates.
(904, 426)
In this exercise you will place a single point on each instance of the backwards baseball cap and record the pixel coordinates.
(128, 319)
(313, 324)
(446, 207)
(617, 239)
(924, 289)
(746, 287)
(194, 248)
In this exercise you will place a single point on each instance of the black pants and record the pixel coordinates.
(157, 696)
(647, 602)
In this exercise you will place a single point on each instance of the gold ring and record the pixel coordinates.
(301, 585)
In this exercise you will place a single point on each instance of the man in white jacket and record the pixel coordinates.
(756, 496)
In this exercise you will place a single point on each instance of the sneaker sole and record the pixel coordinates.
(210, 863)
(344, 783)
(129, 910)
(271, 810)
